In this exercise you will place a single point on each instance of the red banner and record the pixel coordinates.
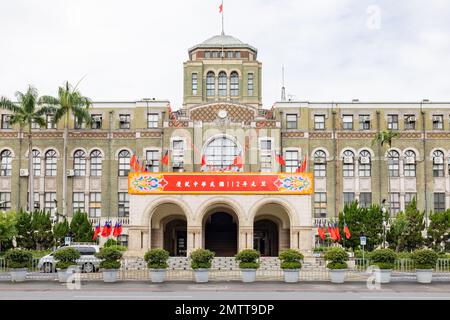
(217, 183)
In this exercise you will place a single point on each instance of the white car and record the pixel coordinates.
(87, 261)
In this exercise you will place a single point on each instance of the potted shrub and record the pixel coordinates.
(337, 264)
(291, 264)
(110, 264)
(201, 263)
(248, 263)
(157, 263)
(18, 261)
(66, 262)
(424, 261)
(385, 260)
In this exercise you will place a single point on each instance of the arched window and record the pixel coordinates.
(222, 154)
(5, 163)
(393, 163)
(96, 163)
(438, 163)
(409, 165)
(348, 168)
(124, 163)
(79, 163)
(320, 163)
(364, 164)
(210, 84)
(50, 163)
(222, 84)
(36, 163)
(234, 84)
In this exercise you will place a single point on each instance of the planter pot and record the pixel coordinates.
(291, 275)
(18, 275)
(248, 275)
(64, 274)
(385, 275)
(337, 275)
(201, 275)
(110, 275)
(157, 275)
(424, 275)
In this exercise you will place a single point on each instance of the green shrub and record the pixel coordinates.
(18, 259)
(383, 258)
(424, 259)
(201, 259)
(66, 257)
(338, 258)
(291, 259)
(248, 259)
(110, 258)
(118, 247)
(157, 258)
(110, 243)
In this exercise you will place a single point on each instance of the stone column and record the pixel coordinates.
(245, 238)
(194, 239)
(302, 239)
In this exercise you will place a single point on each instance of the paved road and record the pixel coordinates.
(36, 290)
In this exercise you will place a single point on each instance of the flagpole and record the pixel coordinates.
(223, 28)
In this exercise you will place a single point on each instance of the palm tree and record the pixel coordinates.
(385, 137)
(24, 113)
(69, 102)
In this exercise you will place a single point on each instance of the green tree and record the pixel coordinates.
(24, 113)
(24, 228)
(405, 233)
(42, 230)
(7, 227)
(438, 230)
(367, 220)
(81, 227)
(69, 102)
(60, 231)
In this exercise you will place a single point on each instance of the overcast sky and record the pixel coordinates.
(332, 50)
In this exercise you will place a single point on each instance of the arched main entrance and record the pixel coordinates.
(221, 233)
(265, 237)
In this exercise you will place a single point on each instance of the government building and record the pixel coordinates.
(222, 171)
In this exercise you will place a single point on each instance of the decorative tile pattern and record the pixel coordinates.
(236, 113)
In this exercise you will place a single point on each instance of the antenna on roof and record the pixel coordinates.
(283, 89)
(221, 11)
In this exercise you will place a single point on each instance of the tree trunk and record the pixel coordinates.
(30, 171)
(64, 193)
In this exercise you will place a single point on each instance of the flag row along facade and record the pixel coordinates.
(222, 118)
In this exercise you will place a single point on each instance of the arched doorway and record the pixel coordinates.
(175, 236)
(221, 234)
(265, 237)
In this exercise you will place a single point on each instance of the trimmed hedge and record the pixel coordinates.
(157, 258)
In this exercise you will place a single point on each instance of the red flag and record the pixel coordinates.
(133, 160)
(119, 230)
(321, 232)
(280, 159)
(221, 8)
(203, 160)
(105, 230)
(143, 167)
(347, 231)
(165, 159)
(238, 161)
(337, 232)
(96, 232)
(108, 229)
(331, 232)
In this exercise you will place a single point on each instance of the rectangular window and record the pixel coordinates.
(79, 124)
(364, 122)
(49, 202)
(439, 202)
(250, 84)
(291, 160)
(230, 54)
(124, 204)
(36, 201)
(124, 121)
(320, 205)
(410, 122)
(266, 162)
(320, 168)
(152, 120)
(96, 121)
(409, 196)
(238, 54)
(122, 240)
(194, 84)
(392, 122)
(6, 121)
(347, 122)
(291, 121)
(35, 125)
(215, 54)
(207, 54)
(438, 122)
(5, 201)
(266, 145)
(394, 203)
(95, 204)
(349, 197)
(50, 121)
(78, 202)
(152, 157)
(177, 145)
(319, 122)
(365, 199)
